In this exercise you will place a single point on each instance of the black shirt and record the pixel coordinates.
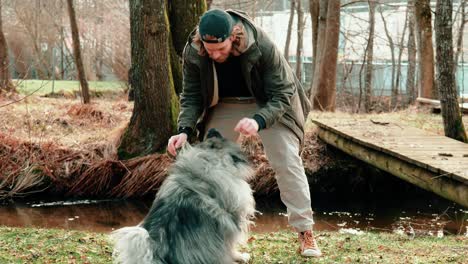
(231, 81)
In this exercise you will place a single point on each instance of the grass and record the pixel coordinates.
(42, 87)
(366, 248)
(29, 245)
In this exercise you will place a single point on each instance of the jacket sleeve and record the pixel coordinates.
(279, 83)
(191, 102)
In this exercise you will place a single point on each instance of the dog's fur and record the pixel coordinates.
(201, 212)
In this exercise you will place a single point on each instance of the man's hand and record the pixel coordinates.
(176, 142)
(247, 126)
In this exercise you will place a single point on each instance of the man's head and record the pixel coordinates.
(215, 30)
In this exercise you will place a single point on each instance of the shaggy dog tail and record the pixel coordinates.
(133, 245)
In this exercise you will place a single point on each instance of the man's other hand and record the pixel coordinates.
(247, 126)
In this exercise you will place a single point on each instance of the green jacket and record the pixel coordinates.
(268, 76)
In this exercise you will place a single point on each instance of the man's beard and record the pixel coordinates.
(224, 59)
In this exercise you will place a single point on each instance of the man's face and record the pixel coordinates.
(219, 52)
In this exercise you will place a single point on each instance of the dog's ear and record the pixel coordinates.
(213, 133)
(237, 159)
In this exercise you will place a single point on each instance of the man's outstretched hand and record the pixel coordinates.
(176, 142)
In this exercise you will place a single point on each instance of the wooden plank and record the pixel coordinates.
(403, 151)
(439, 184)
(436, 104)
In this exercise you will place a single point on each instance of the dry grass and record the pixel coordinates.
(56, 144)
(264, 183)
(98, 179)
(66, 123)
(420, 117)
(145, 175)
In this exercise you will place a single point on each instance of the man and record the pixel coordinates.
(236, 80)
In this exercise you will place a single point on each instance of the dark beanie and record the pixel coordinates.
(215, 23)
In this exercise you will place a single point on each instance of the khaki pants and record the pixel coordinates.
(282, 150)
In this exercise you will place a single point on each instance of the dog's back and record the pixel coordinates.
(200, 213)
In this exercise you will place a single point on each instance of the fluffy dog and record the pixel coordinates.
(201, 212)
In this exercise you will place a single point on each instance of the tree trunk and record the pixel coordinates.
(321, 35)
(325, 98)
(77, 52)
(5, 78)
(461, 31)
(208, 4)
(411, 71)
(426, 50)
(369, 59)
(401, 47)
(100, 40)
(189, 12)
(393, 101)
(453, 124)
(288, 34)
(155, 110)
(314, 16)
(300, 39)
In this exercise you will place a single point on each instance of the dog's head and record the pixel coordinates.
(217, 152)
(216, 142)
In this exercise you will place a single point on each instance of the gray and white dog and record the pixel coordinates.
(202, 211)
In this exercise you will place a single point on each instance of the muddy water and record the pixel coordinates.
(420, 217)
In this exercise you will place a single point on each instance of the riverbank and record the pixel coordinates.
(64, 149)
(28, 245)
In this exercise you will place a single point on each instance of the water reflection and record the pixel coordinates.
(107, 215)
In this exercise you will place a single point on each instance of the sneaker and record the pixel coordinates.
(308, 246)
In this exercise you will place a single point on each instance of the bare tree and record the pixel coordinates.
(392, 52)
(77, 52)
(369, 59)
(300, 39)
(461, 31)
(314, 16)
(325, 97)
(290, 26)
(30, 16)
(411, 71)
(425, 49)
(39, 39)
(451, 114)
(5, 78)
(401, 47)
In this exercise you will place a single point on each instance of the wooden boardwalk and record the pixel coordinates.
(435, 163)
